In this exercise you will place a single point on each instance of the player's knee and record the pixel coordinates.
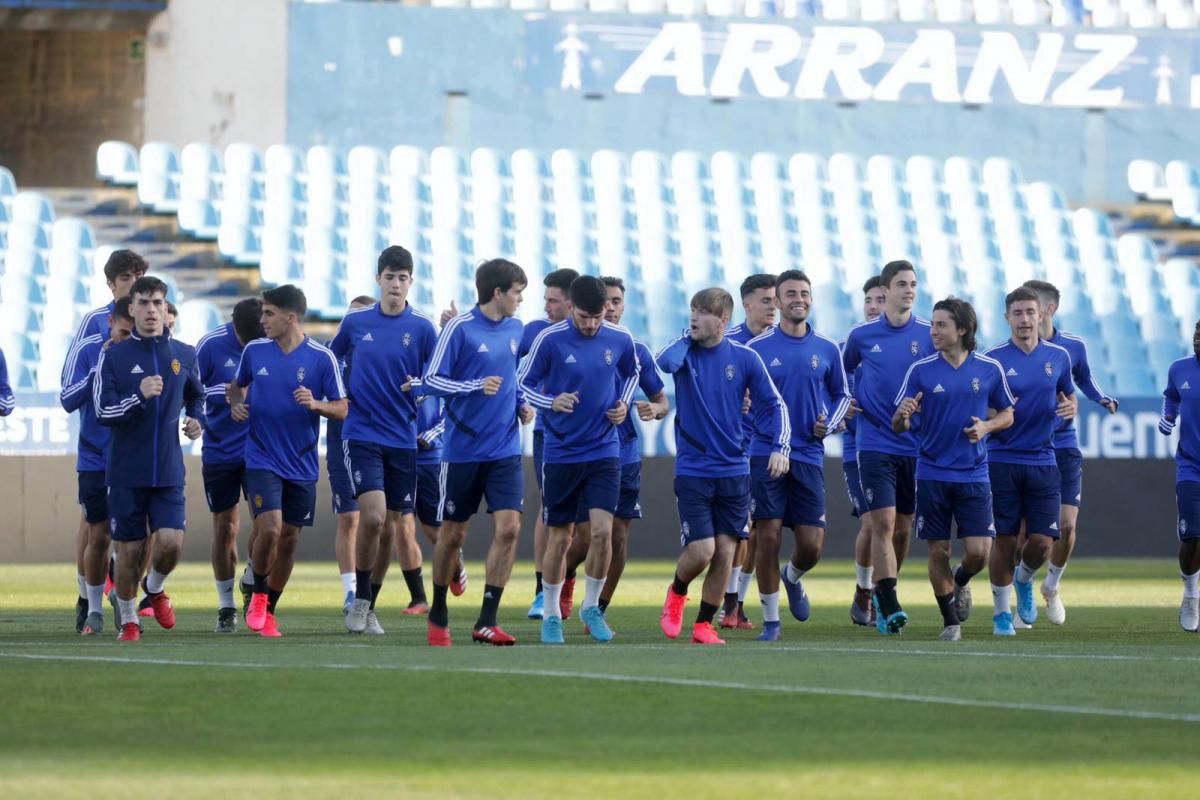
(507, 535)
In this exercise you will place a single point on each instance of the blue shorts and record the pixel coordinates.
(1023, 492)
(629, 505)
(340, 486)
(296, 499)
(463, 485)
(570, 491)
(968, 504)
(858, 503)
(797, 498)
(539, 447)
(93, 496)
(136, 511)
(377, 468)
(1070, 467)
(887, 481)
(224, 485)
(1187, 499)
(710, 506)
(428, 492)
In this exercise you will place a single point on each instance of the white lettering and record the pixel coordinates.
(1077, 90)
(1000, 52)
(825, 58)
(742, 55)
(929, 59)
(678, 52)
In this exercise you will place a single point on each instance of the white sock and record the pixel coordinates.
(591, 591)
(1002, 598)
(551, 593)
(128, 610)
(770, 606)
(154, 581)
(793, 574)
(348, 582)
(225, 594)
(1053, 576)
(1191, 584)
(95, 598)
(743, 585)
(863, 576)
(735, 575)
(1024, 573)
(82, 582)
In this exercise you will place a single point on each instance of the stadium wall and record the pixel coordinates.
(1129, 511)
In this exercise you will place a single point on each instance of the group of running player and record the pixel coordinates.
(424, 424)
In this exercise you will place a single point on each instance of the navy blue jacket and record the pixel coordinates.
(145, 449)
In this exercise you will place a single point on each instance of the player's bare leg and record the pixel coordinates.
(862, 612)
(224, 564)
(616, 565)
(408, 554)
(344, 544)
(1189, 571)
(1060, 554)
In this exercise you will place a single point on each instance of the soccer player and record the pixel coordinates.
(431, 422)
(1023, 473)
(945, 398)
(806, 369)
(120, 271)
(172, 314)
(758, 302)
(885, 348)
(862, 611)
(386, 345)
(345, 507)
(1182, 397)
(223, 457)
(556, 297)
(292, 381)
(92, 457)
(1066, 447)
(629, 507)
(144, 385)
(474, 367)
(712, 476)
(581, 373)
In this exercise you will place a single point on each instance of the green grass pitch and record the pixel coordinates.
(1106, 706)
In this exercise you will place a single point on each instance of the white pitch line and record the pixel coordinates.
(864, 694)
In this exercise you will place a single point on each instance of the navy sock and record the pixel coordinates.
(438, 613)
(885, 590)
(273, 596)
(362, 584)
(376, 588)
(538, 590)
(948, 608)
(679, 586)
(416, 586)
(707, 612)
(491, 604)
(260, 583)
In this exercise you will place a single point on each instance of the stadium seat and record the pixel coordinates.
(24, 235)
(117, 163)
(198, 218)
(1147, 180)
(158, 178)
(32, 208)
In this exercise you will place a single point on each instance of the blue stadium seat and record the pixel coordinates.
(117, 163)
(31, 208)
(158, 178)
(198, 218)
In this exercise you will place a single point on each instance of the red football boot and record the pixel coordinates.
(566, 600)
(130, 632)
(493, 635)
(438, 636)
(704, 633)
(270, 629)
(163, 611)
(671, 620)
(256, 614)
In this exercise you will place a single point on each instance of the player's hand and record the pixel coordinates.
(1111, 404)
(151, 386)
(107, 343)
(407, 386)
(191, 428)
(976, 431)
(526, 414)
(777, 465)
(645, 411)
(240, 412)
(910, 406)
(491, 384)
(422, 444)
(854, 410)
(1068, 407)
(617, 414)
(304, 397)
(841, 428)
(565, 402)
(821, 430)
(449, 314)
(746, 402)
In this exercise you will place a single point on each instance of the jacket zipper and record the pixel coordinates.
(157, 415)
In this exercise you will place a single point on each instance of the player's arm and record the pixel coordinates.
(438, 380)
(1082, 372)
(1068, 403)
(193, 401)
(908, 401)
(111, 407)
(1170, 406)
(532, 372)
(671, 358)
(1001, 399)
(78, 389)
(772, 414)
(7, 401)
(235, 392)
(839, 394)
(335, 405)
(628, 367)
(656, 405)
(432, 437)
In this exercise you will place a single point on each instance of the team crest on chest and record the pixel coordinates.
(300, 375)
(1049, 369)
(608, 357)
(975, 385)
(729, 372)
(407, 340)
(175, 365)
(914, 348)
(815, 361)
